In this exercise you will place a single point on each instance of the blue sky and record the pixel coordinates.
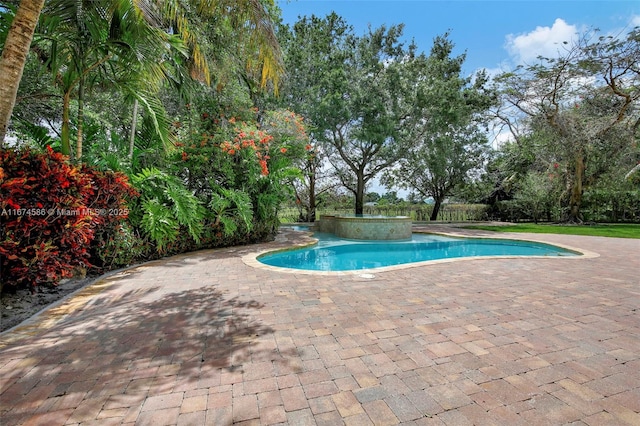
(495, 34)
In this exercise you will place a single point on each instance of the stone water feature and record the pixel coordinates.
(366, 227)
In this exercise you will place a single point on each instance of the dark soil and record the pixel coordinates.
(22, 304)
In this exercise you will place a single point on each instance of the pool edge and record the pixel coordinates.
(251, 259)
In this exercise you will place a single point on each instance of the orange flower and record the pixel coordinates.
(263, 166)
(283, 150)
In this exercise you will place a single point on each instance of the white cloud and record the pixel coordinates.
(635, 21)
(543, 41)
(501, 68)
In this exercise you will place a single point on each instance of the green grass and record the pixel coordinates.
(603, 230)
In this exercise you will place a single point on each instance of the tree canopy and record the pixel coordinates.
(452, 143)
(582, 107)
(361, 95)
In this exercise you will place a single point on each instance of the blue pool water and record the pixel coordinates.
(336, 254)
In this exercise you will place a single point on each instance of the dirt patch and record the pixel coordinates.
(21, 305)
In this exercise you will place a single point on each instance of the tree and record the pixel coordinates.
(14, 57)
(315, 182)
(311, 50)
(584, 102)
(357, 92)
(390, 197)
(289, 130)
(452, 144)
(81, 43)
(378, 105)
(251, 21)
(536, 195)
(371, 197)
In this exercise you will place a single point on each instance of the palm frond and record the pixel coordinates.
(6, 18)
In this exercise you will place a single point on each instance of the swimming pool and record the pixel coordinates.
(337, 254)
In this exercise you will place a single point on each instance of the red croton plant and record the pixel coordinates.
(50, 212)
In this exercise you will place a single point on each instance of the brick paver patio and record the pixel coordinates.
(205, 339)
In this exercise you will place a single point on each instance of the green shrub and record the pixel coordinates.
(165, 206)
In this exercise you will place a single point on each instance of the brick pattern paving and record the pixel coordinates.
(204, 339)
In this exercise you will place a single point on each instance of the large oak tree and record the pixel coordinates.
(452, 143)
(358, 92)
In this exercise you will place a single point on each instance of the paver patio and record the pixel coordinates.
(205, 339)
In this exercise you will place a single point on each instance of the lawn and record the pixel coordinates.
(623, 230)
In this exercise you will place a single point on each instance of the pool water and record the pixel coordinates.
(336, 254)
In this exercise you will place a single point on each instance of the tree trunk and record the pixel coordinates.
(65, 131)
(632, 171)
(80, 122)
(132, 134)
(436, 208)
(575, 200)
(14, 56)
(359, 194)
(80, 81)
(312, 196)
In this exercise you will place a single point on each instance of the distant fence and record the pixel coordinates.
(597, 206)
(418, 213)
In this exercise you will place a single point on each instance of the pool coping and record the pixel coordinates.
(251, 259)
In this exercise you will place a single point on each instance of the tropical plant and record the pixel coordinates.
(230, 208)
(15, 48)
(250, 21)
(86, 43)
(166, 205)
(50, 214)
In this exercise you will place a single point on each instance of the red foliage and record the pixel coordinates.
(49, 214)
(107, 203)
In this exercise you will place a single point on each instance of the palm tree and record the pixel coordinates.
(14, 56)
(97, 41)
(249, 18)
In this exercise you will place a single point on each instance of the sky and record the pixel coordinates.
(496, 35)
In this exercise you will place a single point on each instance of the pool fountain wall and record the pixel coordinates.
(367, 227)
